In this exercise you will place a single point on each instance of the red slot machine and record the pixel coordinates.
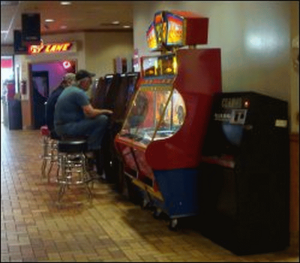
(162, 135)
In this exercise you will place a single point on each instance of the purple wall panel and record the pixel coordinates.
(55, 70)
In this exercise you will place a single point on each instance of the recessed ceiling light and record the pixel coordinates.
(65, 3)
(115, 22)
(49, 20)
(126, 26)
(63, 27)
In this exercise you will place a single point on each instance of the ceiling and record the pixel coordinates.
(80, 16)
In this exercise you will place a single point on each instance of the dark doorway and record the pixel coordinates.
(40, 93)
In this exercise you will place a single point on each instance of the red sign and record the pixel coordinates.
(50, 48)
(6, 62)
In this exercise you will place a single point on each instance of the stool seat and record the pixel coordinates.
(72, 145)
(44, 130)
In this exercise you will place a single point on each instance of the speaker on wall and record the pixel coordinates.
(19, 45)
(31, 28)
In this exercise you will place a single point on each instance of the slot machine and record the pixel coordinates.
(114, 92)
(117, 99)
(245, 174)
(103, 87)
(161, 139)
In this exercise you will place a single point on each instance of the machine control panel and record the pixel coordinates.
(233, 116)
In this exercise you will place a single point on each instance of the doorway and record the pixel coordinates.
(40, 93)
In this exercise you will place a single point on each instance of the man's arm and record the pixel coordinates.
(91, 112)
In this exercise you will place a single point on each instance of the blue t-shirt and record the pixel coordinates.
(51, 106)
(69, 105)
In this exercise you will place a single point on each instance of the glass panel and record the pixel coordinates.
(159, 66)
(149, 66)
(173, 117)
(156, 113)
(167, 65)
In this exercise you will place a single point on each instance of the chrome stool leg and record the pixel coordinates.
(61, 180)
(46, 154)
(53, 156)
(68, 166)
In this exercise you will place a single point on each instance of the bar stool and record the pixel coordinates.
(72, 165)
(49, 154)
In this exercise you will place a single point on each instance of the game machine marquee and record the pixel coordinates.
(162, 136)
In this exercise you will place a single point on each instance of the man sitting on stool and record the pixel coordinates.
(75, 116)
(68, 79)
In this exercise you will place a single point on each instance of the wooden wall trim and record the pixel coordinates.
(294, 137)
(294, 191)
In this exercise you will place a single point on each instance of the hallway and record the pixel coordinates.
(35, 229)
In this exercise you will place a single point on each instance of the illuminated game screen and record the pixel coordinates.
(167, 65)
(159, 65)
(156, 113)
(174, 30)
(151, 38)
(150, 65)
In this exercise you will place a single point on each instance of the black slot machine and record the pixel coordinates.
(118, 97)
(103, 86)
(114, 92)
(244, 184)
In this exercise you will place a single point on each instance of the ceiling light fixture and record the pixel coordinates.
(49, 20)
(63, 27)
(126, 26)
(65, 3)
(115, 22)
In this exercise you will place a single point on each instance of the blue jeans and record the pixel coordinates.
(94, 129)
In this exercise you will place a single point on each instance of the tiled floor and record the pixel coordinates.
(34, 228)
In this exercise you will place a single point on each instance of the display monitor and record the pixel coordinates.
(151, 38)
(175, 30)
(20, 47)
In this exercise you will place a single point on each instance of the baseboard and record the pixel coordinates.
(294, 191)
(294, 242)
(28, 127)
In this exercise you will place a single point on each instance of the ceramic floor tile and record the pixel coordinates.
(110, 229)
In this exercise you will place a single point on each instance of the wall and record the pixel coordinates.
(7, 50)
(294, 138)
(103, 47)
(254, 37)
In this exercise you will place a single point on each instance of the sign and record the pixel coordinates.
(6, 63)
(52, 48)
